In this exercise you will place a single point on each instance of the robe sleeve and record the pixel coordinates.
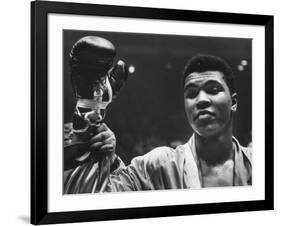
(161, 168)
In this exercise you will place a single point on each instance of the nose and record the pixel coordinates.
(203, 100)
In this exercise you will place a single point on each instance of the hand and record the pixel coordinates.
(103, 142)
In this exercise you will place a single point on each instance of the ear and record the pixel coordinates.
(234, 102)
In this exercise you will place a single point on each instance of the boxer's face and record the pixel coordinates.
(208, 102)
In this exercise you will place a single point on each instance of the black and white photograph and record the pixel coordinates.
(149, 112)
(155, 112)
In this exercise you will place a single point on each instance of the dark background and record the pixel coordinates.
(149, 110)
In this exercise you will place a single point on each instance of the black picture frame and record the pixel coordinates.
(39, 112)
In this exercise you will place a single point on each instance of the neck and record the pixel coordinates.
(216, 149)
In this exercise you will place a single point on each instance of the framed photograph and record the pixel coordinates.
(145, 112)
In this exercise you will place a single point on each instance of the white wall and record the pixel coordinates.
(15, 113)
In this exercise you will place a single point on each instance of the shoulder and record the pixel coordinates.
(158, 155)
(161, 157)
(247, 151)
(165, 153)
(162, 152)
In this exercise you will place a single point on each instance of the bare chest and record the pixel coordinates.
(217, 176)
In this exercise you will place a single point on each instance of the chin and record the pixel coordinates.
(207, 131)
(206, 134)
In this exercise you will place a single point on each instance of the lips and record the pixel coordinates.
(203, 113)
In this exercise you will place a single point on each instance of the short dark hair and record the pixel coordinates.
(201, 63)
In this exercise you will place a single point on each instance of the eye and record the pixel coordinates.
(213, 88)
(191, 92)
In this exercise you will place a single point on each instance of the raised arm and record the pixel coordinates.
(91, 162)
